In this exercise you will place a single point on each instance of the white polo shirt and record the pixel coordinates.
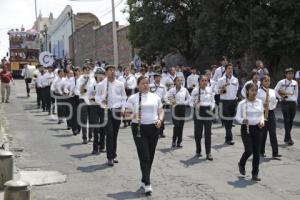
(150, 105)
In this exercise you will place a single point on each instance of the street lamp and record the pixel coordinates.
(45, 35)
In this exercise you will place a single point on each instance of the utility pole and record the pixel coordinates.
(115, 38)
(36, 22)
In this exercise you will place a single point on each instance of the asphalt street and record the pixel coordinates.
(40, 144)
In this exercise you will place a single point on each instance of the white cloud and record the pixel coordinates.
(15, 13)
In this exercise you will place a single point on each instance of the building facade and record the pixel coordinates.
(96, 42)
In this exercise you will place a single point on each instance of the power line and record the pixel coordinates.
(119, 3)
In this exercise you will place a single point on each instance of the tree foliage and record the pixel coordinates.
(261, 28)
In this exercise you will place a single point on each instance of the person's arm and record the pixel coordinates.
(123, 98)
(277, 88)
(161, 114)
(239, 113)
(193, 98)
(188, 97)
(128, 113)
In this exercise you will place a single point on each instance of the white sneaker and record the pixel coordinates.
(148, 190)
(143, 186)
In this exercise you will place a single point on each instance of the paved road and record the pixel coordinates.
(176, 173)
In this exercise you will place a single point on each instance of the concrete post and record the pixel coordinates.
(6, 167)
(17, 190)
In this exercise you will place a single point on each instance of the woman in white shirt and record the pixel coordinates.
(202, 99)
(145, 110)
(254, 78)
(250, 114)
(179, 98)
(268, 97)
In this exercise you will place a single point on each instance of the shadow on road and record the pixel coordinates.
(69, 146)
(93, 168)
(127, 195)
(63, 135)
(192, 161)
(167, 150)
(81, 156)
(219, 146)
(241, 182)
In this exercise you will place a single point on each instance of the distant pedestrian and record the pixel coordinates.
(6, 81)
(27, 74)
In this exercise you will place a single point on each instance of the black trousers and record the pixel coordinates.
(68, 109)
(179, 112)
(84, 119)
(145, 146)
(113, 122)
(251, 141)
(202, 120)
(227, 115)
(46, 98)
(61, 108)
(27, 82)
(288, 109)
(270, 126)
(96, 118)
(75, 120)
(38, 95)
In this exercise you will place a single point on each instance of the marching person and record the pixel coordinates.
(129, 82)
(254, 78)
(45, 83)
(268, 97)
(145, 109)
(203, 102)
(68, 90)
(179, 98)
(76, 128)
(27, 74)
(168, 78)
(287, 92)
(250, 114)
(96, 115)
(58, 92)
(110, 94)
(36, 75)
(220, 71)
(227, 87)
(192, 80)
(6, 80)
(83, 83)
(159, 89)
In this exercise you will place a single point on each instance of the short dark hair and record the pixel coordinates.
(253, 73)
(228, 65)
(248, 87)
(175, 79)
(264, 77)
(141, 78)
(85, 68)
(289, 69)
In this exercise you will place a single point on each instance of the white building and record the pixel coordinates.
(59, 33)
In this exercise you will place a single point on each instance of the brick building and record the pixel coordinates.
(96, 42)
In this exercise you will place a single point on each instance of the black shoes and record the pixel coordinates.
(290, 142)
(110, 163)
(85, 142)
(162, 136)
(115, 160)
(179, 146)
(95, 153)
(173, 145)
(242, 170)
(255, 178)
(276, 156)
(90, 140)
(209, 157)
(230, 142)
(198, 155)
(263, 155)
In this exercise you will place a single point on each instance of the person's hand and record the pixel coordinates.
(158, 124)
(245, 121)
(261, 125)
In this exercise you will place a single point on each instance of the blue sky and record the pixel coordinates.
(15, 13)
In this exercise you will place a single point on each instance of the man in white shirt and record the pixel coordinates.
(81, 89)
(58, 91)
(27, 74)
(227, 87)
(192, 80)
(297, 77)
(220, 71)
(45, 83)
(36, 76)
(168, 79)
(129, 82)
(110, 94)
(287, 92)
(159, 89)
